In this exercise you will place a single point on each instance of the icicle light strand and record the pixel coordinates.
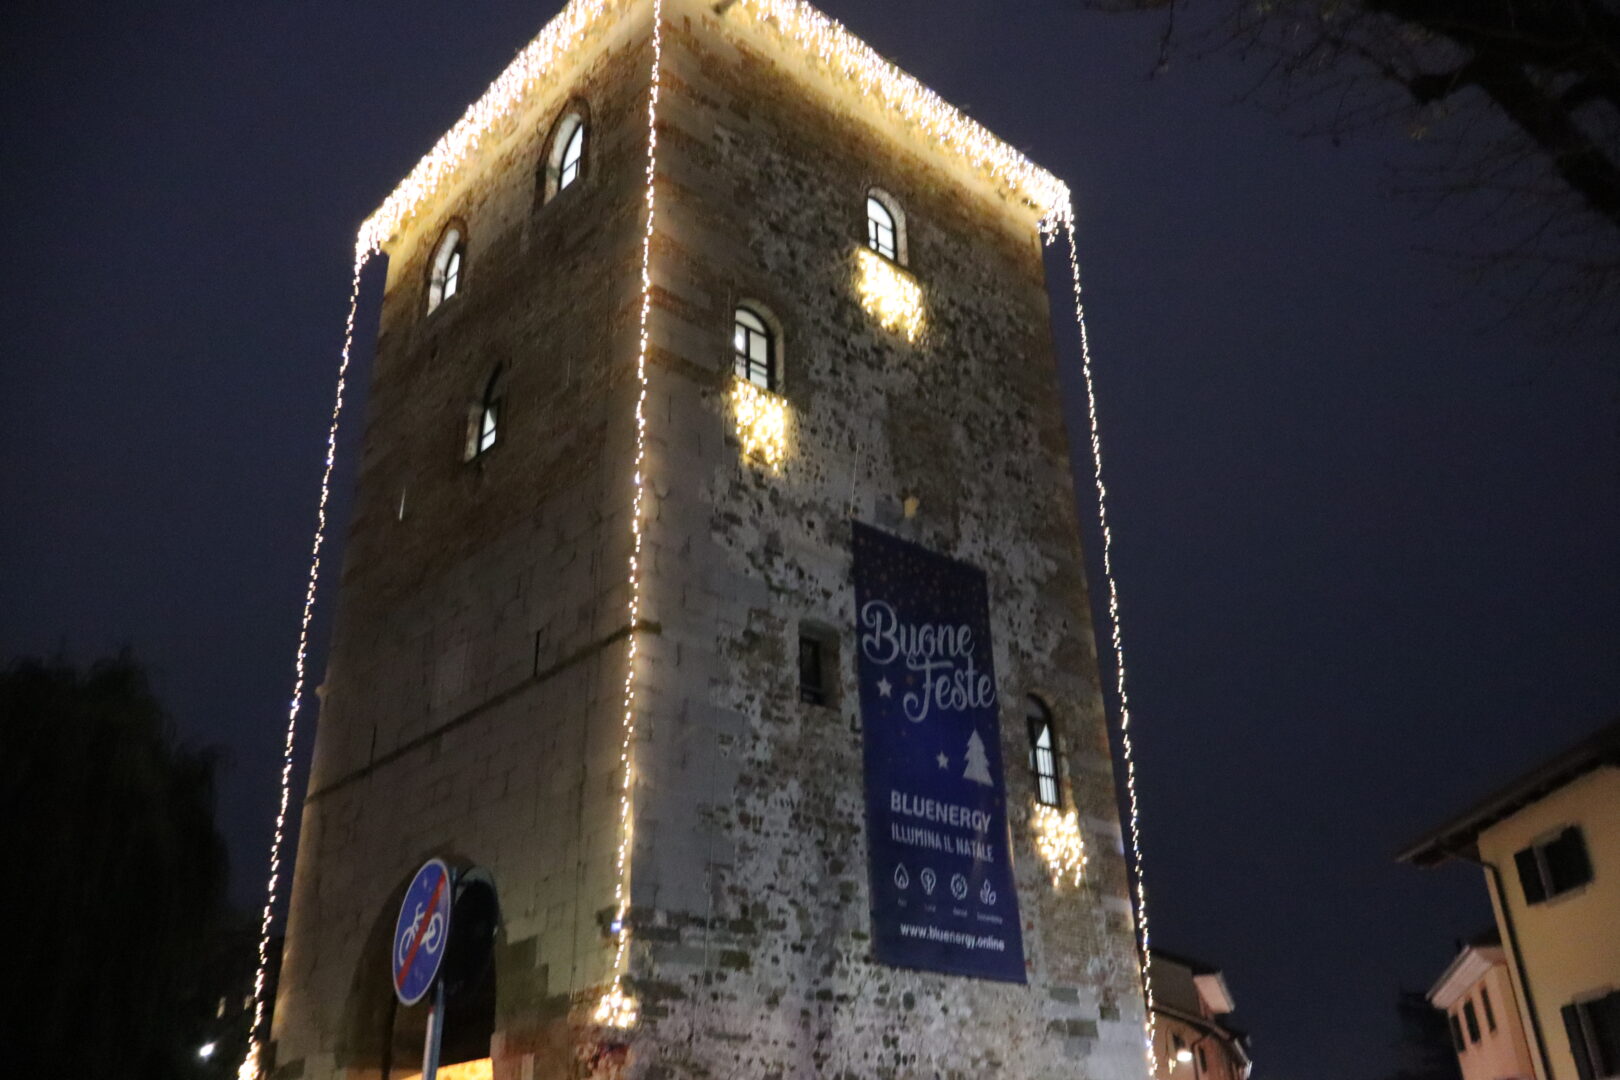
(616, 1008)
(1067, 221)
(504, 95)
(848, 55)
(250, 1067)
(827, 39)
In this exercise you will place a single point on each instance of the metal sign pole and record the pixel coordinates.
(435, 1034)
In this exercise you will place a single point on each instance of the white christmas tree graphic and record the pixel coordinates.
(978, 766)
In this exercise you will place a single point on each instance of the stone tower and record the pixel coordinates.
(787, 535)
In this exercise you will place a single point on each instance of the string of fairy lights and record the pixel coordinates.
(1059, 841)
(1117, 635)
(249, 1069)
(889, 294)
(616, 1008)
(847, 56)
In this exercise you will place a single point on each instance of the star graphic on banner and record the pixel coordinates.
(944, 762)
(884, 686)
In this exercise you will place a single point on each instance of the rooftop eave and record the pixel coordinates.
(1459, 837)
(1463, 973)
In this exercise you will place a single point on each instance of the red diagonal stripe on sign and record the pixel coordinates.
(410, 958)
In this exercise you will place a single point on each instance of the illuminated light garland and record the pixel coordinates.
(762, 420)
(616, 1009)
(889, 294)
(503, 96)
(835, 46)
(250, 1067)
(1066, 221)
(1058, 839)
(848, 55)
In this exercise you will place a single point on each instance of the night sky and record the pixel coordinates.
(1366, 532)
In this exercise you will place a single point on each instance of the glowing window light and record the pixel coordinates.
(889, 294)
(1058, 839)
(1066, 220)
(762, 419)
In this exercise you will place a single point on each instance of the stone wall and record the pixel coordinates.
(471, 707)
(472, 701)
(750, 877)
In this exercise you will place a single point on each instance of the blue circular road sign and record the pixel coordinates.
(422, 931)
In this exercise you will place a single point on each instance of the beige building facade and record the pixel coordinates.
(1549, 844)
(1482, 1011)
(1193, 1040)
(689, 895)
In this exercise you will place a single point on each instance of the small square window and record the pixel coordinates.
(817, 665)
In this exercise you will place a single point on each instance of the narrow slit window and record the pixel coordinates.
(1043, 754)
(752, 345)
(483, 420)
(817, 664)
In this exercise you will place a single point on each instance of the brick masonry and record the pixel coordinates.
(471, 706)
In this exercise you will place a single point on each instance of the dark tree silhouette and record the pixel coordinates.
(119, 947)
(1517, 103)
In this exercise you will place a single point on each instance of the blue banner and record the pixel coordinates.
(936, 809)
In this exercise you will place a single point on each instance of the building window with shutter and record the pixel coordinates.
(1471, 1018)
(1593, 1028)
(1490, 1014)
(1553, 866)
(1456, 1033)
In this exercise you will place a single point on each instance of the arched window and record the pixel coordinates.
(885, 226)
(565, 154)
(483, 419)
(1043, 754)
(448, 267)
(753, 348)
(573, 156)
